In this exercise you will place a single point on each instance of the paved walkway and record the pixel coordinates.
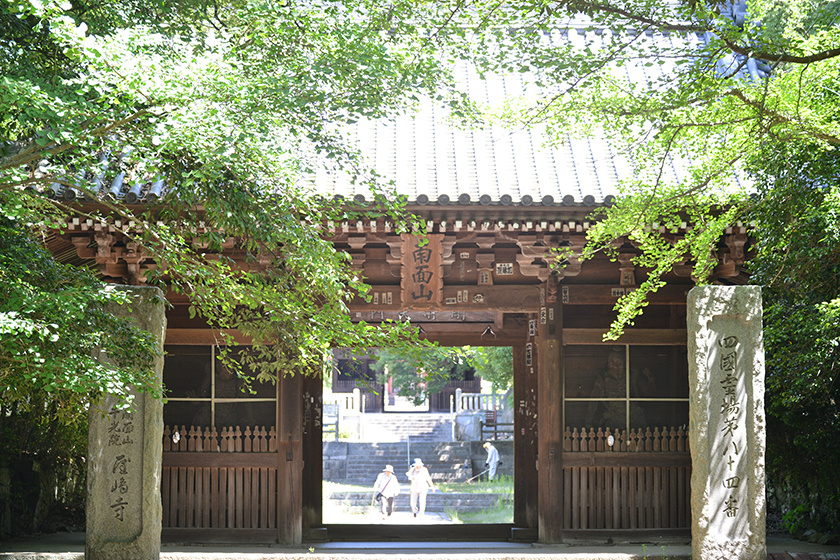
(70, 546)
(373, 517)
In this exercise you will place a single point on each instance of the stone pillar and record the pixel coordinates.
(124, 456)
(726, 423)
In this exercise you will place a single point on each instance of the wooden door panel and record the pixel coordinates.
(215, 480)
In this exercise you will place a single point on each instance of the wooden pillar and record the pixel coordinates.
(525, 488)
(549, 417)
(313, 453)
(289, 460)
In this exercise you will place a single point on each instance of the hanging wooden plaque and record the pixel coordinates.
(422, 278)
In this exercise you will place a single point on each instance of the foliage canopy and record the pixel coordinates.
(229, 102)
(797, 262)
(703, 86)
(743, 98)
(419, 372)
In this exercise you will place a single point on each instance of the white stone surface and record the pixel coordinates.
(726, 423)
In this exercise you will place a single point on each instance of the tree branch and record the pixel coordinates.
(31, 151)
(634, 17)
(738, 94)
(781, 57)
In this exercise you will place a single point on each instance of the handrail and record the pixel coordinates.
(231, 439)
(643, 439)
(462, 402)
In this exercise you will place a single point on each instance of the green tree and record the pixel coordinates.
(52, 325)
(493, 364)
(742, 97)
(798, 260)
(705, 92)
(418, 372)
(229, 104)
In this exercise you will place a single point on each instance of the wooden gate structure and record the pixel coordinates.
(599, 428)
(488, 278)
(641, 481)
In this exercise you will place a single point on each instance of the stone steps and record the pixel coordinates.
(393, 427)
(436, 502)
(360, 463)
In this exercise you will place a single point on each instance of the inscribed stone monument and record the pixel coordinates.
(726, 423)
(124, 457)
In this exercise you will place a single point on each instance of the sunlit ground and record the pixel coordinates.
(336, 512)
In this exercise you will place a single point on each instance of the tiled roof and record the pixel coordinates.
(431, 161)
(434, 162)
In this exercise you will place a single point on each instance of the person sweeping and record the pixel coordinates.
(493, 460)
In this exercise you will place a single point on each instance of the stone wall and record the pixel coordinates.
(468, 426)
(335, 460)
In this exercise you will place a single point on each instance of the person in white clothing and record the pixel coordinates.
(421, 483)
(493, 460)
(385, 489)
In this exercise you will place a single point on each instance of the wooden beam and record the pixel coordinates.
(460, 338)
(289, 461)
(428, 317)
(549, 417)
(519, 298)
(608, 294)
(218, 535)
(525, 482)
(660, 534)
(499, 297)
(313, 452)
(218, 459)
(201, 337)
(626, 459)
(649, 337)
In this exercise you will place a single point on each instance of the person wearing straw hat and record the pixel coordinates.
(421, 483)
(385, 489)
(493, 460)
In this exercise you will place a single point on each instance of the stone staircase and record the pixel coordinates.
(436, 502)
(391, 427)
(360, 463)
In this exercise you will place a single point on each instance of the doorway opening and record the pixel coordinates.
(419, 437)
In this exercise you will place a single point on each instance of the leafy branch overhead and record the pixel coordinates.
(416, 373)
(223, 106)
(688, 93)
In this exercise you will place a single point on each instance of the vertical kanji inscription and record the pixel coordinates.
(422, 271)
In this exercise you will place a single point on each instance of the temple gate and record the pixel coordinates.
(600, 444)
